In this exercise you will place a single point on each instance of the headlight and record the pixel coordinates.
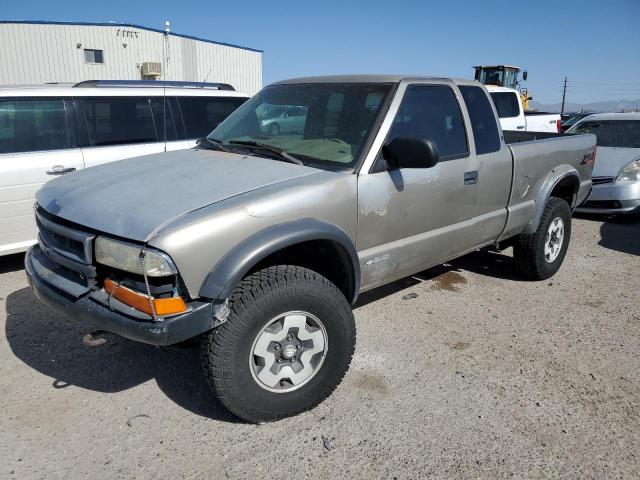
(630, 173)
(125, 256)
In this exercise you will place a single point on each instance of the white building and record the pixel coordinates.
(44, 52)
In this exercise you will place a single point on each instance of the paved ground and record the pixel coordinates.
(481, 375)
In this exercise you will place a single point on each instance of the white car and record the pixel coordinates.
(616, 175)
(514, 118)
(50, 130)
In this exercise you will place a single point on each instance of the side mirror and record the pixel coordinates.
(525, 74)
(407, 152)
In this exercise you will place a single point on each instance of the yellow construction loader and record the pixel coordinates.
(504, 76)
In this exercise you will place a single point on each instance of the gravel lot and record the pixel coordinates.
(481, 375)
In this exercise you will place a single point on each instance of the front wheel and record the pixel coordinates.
(285, 346)
(539, 255)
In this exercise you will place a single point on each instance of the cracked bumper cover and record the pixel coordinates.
(95, 316)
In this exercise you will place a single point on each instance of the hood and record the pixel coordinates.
(132, 198)
(610, 160)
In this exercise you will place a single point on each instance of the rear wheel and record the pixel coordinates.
(285, 346)
(539, 255)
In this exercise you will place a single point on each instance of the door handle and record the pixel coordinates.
(60, 170)
(520, 127)
(470, 177)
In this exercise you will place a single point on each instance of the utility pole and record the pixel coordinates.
(564, 95)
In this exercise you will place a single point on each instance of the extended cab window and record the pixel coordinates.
(32, 125)
(118, 121)
(432, 111)
(202, 114)
(483, 120)
(507, 104)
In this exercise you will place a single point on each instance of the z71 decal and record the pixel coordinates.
(589, 159)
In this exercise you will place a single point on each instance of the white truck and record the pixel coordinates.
(514, 117)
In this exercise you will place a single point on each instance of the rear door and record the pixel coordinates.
(494, 164)
(413, 218)
(36, 144)
(115, 128)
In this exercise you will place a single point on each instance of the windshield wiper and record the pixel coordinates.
(210, 143)
(269, 148)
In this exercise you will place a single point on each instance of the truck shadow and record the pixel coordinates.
(618, 232)
(52, 344)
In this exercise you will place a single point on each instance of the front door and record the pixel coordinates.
(411, 219)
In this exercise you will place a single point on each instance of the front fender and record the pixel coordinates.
(235, 265)
(553, 178)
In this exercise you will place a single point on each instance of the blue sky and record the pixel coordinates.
(594, 43)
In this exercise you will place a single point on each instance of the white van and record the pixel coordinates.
(50, 130)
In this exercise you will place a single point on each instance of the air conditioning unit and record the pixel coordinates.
(152, 69)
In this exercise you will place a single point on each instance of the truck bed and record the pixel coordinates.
(538, 159)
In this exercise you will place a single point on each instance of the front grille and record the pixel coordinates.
(70, 249)
(601, 180)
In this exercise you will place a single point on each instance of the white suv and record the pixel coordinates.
(50, 130)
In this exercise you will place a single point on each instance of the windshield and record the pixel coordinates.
(491, 76)
(611, 133)
(324, 124)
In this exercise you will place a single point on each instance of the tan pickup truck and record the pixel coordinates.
(259, 241)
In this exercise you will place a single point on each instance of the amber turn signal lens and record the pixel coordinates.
(139, 301)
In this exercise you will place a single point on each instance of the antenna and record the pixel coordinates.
(207, 77)
(564, 95)
(167, 29)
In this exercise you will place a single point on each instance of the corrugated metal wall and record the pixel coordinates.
(41, 53)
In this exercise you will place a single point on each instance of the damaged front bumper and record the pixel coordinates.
(89, 309)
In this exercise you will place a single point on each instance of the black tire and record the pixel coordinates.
(274, 129)
(259, 298)
(529, 249)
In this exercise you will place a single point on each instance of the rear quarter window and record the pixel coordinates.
(483, 120)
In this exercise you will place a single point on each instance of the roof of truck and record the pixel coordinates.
(384, 78)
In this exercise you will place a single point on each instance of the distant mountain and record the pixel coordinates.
(606, 106)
